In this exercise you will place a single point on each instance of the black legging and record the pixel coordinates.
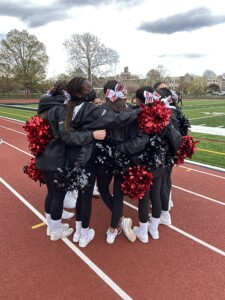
(143, 206)
(54, 198)
(159, 193)
(84, 200)
(115, 202)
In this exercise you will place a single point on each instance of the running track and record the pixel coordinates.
(187, 262)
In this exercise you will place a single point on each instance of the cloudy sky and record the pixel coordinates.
(184, 36)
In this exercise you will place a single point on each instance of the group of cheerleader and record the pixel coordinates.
(133, 146)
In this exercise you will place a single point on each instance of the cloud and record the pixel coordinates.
(189, 21)
(182, 55)
(35, 15)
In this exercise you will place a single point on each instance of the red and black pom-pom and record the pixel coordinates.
(31, 170)
(136, 182)
(38, 134)
(154, 118)
(187, 149)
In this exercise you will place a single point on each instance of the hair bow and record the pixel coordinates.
(174, 95)
(150, 98)
(167, 101)
(118, 93)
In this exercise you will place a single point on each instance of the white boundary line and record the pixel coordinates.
(205, 166)
(199, 195)
(11, 119)
(13, 130)
(4, 142)
(217, 250)
(79, 253)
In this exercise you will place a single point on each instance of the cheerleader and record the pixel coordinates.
(129, 141)
(158, 190)
(51, 108)
(81, 115)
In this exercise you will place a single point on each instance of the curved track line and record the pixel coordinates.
(210, 174)
(11, 120)
(10, 145)
(76, 250)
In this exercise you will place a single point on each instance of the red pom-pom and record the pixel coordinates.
(38, 134)
(136, 182)
(154, 118)
(31, 170)
(187, 149)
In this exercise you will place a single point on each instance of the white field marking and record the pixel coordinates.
(190, 236)
(75, 249)
(198, 195)
(220, 127)
(202, 172)
(10, 145)
(202, 124)
(12, 120)
(204, 166)
(13, 130)
(207, 117)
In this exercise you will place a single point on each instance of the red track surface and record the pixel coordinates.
(173, 267)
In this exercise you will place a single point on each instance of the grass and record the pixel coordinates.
(19, 114)
(212, 143)
(208, 112)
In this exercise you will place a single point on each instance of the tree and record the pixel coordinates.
(208, 73)
(213, 87)
(198, 86)
(160, 73)
(85, 51)
(23, 57)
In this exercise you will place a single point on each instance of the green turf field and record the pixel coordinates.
(19, 114)
(208, 112)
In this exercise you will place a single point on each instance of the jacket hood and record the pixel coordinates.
(48, 102)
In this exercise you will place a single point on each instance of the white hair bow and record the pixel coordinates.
(150, 98)
(168, 100)
(118, 93)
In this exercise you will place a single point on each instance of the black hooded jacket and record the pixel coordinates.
(55, 155)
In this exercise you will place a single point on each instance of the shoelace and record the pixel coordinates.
(119, 230)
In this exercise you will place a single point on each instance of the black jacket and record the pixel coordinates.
(91, 117)
(55, 154)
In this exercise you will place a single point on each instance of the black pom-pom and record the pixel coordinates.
(183, 123)
(72, 178)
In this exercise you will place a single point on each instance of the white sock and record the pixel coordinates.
(48, 219)
(170, 196)
(84, 232)
(154, 223)
(144, 228)
(165, 214)
(78, 227)
(56, 227)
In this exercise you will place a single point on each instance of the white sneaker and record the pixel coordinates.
(142, 237)
(165, 220)
(64, 233)
(70, 199)
(67, 215)
(76, 237)
(127, 230)
(111, 236)
(154, 233)
(63, 226)
(83, 242)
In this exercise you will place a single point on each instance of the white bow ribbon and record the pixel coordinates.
(167, 101)
(150, 98)
(118, 93)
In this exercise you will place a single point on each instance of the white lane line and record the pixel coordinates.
(195, 163)
(18, 122)
(13, 130)
(190, 236)
(10, 145)
(202, 172)
(199, 195)
(75, 249)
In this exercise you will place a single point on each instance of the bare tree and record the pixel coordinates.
(85, 51)
(160, 73)
(23, 57)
